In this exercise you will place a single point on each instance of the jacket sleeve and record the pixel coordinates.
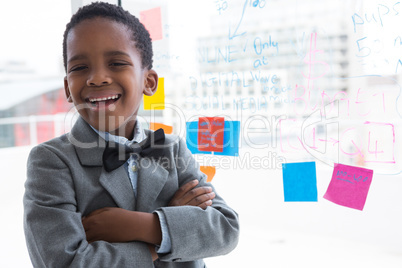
(196, 233)
(53, 230)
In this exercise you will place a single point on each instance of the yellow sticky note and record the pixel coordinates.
(167, 129)
(156, 101)
(209, 171)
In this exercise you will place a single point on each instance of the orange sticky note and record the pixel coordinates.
(156, 101)
(152, 20)
(209, 171)
(166, 128)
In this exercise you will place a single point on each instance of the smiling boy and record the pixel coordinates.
(105, 76)
(80, 213)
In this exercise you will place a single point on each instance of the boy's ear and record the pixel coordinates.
(67, 90)
(150, 82)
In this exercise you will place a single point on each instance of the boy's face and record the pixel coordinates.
(105, 79)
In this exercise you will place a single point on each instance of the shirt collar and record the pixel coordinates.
(139, 135)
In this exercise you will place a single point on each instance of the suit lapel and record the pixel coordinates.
(151, 179)
(119, 187)
(89, 147)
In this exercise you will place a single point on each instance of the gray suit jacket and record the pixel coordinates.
(66, 181)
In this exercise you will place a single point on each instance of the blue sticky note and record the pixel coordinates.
(192, 138)
(231, 136)
(299, 182)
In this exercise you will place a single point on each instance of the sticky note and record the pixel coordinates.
(166, 128)
(192, 138)
(349, 186)
(210, 133)
(209, 171)
(152, 20)
(299, 182)
(231, 136)
(156, 101)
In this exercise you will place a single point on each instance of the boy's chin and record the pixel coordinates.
(107, 128)
(124, 129)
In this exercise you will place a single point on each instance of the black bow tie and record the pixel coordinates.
(116, 155)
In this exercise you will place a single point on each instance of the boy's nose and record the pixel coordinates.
(98, 79)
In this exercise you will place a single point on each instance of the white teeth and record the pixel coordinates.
(104, 99)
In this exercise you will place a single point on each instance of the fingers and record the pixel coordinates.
(205, 204)
(92, 237)
(86, 220)
(88, 224)
(153, 252)
(89, 237)
(93, 230)
(185, 188)
(191, 195)
(203, 201)
(87, 230)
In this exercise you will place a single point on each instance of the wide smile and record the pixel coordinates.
(97, 103)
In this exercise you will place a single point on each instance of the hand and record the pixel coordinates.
(108, 224)
(191, 196)
(153, 252)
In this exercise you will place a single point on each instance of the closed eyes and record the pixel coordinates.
(78, 68)
(118, 64)
(84, 67)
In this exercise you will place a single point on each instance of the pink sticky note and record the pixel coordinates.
(349, 186)
(210, 135)
(152, 20)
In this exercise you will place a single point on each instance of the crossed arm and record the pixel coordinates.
(119, 225)
(55, 231)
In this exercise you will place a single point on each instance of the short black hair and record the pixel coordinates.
(140, 35)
